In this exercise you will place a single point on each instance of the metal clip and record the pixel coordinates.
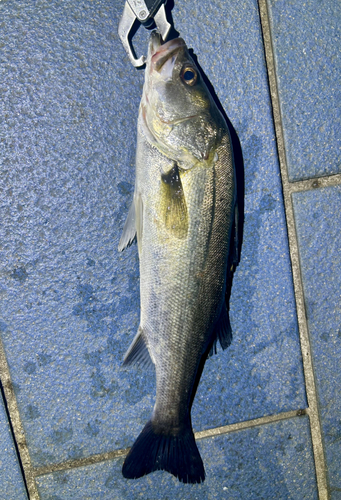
(138, 10)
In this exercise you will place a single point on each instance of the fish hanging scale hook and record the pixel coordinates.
(146, 12)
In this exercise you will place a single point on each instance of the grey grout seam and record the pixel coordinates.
(316, 183)
(226, 429)
(288, 188)
(80, 462)
(17, 427)
(217, 431)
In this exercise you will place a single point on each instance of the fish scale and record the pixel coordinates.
(183, 215)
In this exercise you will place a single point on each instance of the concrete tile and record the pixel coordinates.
(70, 301)
(335, 494)
(318, 224)
(258, 463)
(262, 368)
(306, 41)
(12, 485)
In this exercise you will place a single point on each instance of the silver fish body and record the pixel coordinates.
(183, 216)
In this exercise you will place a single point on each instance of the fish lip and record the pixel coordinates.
(165, 51)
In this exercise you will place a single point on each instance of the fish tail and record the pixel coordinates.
(176, 453)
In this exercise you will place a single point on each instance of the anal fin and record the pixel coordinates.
(138, 352)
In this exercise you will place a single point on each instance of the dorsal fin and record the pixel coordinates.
(222, 332)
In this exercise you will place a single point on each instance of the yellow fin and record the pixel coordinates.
(174, 204)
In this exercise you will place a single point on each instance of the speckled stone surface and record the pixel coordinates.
(250, 464)
(259, 363)
(306, 38)
(69, 300)
(12, 486)
(318, 223)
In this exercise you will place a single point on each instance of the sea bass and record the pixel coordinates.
(183, 216)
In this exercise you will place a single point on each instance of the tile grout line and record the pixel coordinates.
(16, 424)
(216, 431)
(79, 462)
(248, 424)
(314, 183)
(288, 188)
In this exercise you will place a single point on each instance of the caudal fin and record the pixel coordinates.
(177, 454)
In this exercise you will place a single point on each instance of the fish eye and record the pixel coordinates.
(189, 75)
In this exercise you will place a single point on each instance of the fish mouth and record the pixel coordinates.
(160, 53)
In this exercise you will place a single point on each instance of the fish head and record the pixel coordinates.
(178, 112)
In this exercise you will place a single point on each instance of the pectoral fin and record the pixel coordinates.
(174, 204)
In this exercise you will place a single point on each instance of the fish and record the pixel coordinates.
(184, 217)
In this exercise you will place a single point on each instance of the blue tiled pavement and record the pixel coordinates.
(12, 485)
(70, 302)
(248, 464)
(306, 37)
(318, 220)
